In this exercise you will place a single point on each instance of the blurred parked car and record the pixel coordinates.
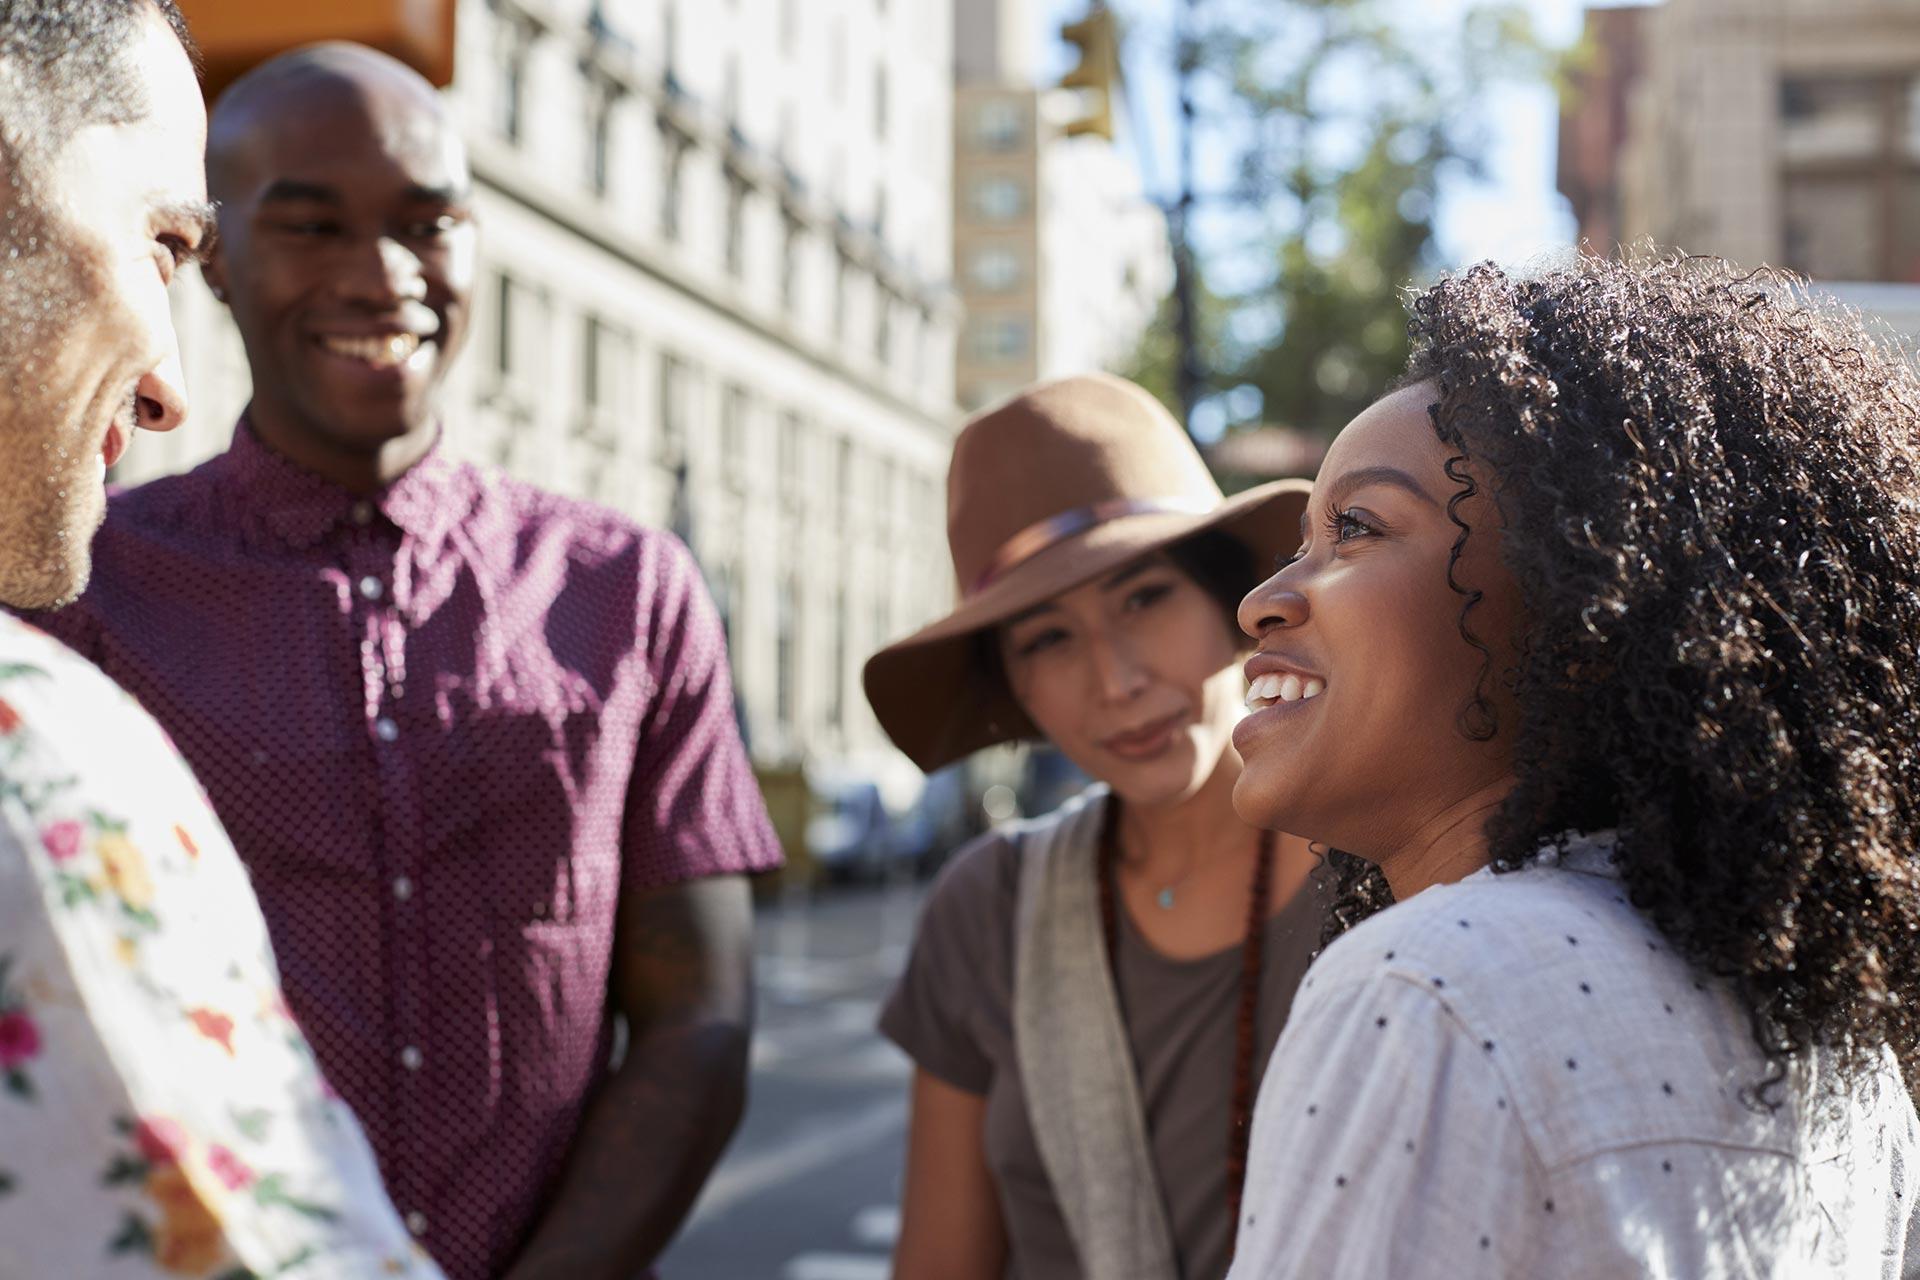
(939, 821)
(849, 836)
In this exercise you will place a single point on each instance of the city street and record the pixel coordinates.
(810, 1188)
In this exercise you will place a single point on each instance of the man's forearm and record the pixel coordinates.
(645, 1149)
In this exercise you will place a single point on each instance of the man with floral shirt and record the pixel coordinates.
(474, 741)
(160, 1114)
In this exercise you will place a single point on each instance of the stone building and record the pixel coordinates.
(1784, 132)
(1059, 256)
(714, 293)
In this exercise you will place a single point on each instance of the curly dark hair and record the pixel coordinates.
(1710, 489)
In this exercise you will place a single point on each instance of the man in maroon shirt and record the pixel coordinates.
(474, 741)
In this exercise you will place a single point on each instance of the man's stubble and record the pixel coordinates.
(51, 498)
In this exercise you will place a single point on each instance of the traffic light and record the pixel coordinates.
(1097, 75)
(237, 35)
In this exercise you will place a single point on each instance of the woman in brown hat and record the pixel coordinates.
(1093, 994)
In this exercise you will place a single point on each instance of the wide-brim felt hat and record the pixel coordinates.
(1049, 490)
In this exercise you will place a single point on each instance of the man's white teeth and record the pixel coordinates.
(387, 351)
(1272, 688)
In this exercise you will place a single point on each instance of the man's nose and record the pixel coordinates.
(391, 274)
(160, 398)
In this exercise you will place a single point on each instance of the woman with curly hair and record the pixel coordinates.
(1614, 607)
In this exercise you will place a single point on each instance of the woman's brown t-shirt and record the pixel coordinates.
(952, 1012)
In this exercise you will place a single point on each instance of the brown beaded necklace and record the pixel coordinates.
(1252, 949)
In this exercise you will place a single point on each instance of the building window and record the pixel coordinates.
(999, 125)
(733, 435)
(1850, 153)
(1000, 338)
(885, 472)
(787, 459)
(790, 264)
(505, 318)
(673, 157)
(785, 655)
(600, 141)
(674, 379)
(789, 24)
(994, 270)
(593, 365)
(998, 199)
(736, 225)
(842, 286)
(883, 327)
(513, 88)
(842, 620)
(843, 480)
(880, 102)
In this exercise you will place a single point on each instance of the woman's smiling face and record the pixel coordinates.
(1366, 610)
(1134, 677)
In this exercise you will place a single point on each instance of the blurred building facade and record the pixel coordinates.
(1784, 132)
(714, 294)
(1059, 256)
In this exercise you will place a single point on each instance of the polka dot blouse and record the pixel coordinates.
(1514, 1077)
(446, 727)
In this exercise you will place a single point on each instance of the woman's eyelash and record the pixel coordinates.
(1341, 523)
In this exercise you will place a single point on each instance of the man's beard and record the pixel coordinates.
(50, 497)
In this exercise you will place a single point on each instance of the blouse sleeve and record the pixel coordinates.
(1385, 1146)
(933, 1010)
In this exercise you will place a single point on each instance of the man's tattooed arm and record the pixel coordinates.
(683, 977)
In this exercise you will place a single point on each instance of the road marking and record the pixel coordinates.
(817, 1147)
(877, 1227)
(828, 1028)
(836, 1266)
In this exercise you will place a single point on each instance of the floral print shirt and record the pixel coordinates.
(160, 1113)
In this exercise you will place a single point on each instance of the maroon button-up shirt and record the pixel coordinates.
(445, 726)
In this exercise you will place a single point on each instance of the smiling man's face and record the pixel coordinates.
(92, 233)
(347, 251)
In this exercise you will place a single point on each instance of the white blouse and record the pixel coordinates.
(160, 1113)
(1514, 1076)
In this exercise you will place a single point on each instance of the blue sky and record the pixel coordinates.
(1513, 215)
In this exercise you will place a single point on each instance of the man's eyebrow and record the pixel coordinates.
(1353, 481)
(288, 189)
(198, 214)
(445, 194)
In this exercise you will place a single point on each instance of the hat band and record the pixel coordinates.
(1037, 537)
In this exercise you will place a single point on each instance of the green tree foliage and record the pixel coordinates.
(1346, 117)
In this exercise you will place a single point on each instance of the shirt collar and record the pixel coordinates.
(303, 509)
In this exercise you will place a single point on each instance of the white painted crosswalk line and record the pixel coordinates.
(837, 1266)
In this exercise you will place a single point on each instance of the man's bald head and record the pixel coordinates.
(379, 92)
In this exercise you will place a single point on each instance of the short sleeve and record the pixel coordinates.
(934, 1010)
(1385, 1147)
(693, 806)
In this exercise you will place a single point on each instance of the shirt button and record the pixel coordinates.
(410, 1058)
(417, 1223)
(385, 729)
(370, 587)
(363, 512)
(402, 888)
